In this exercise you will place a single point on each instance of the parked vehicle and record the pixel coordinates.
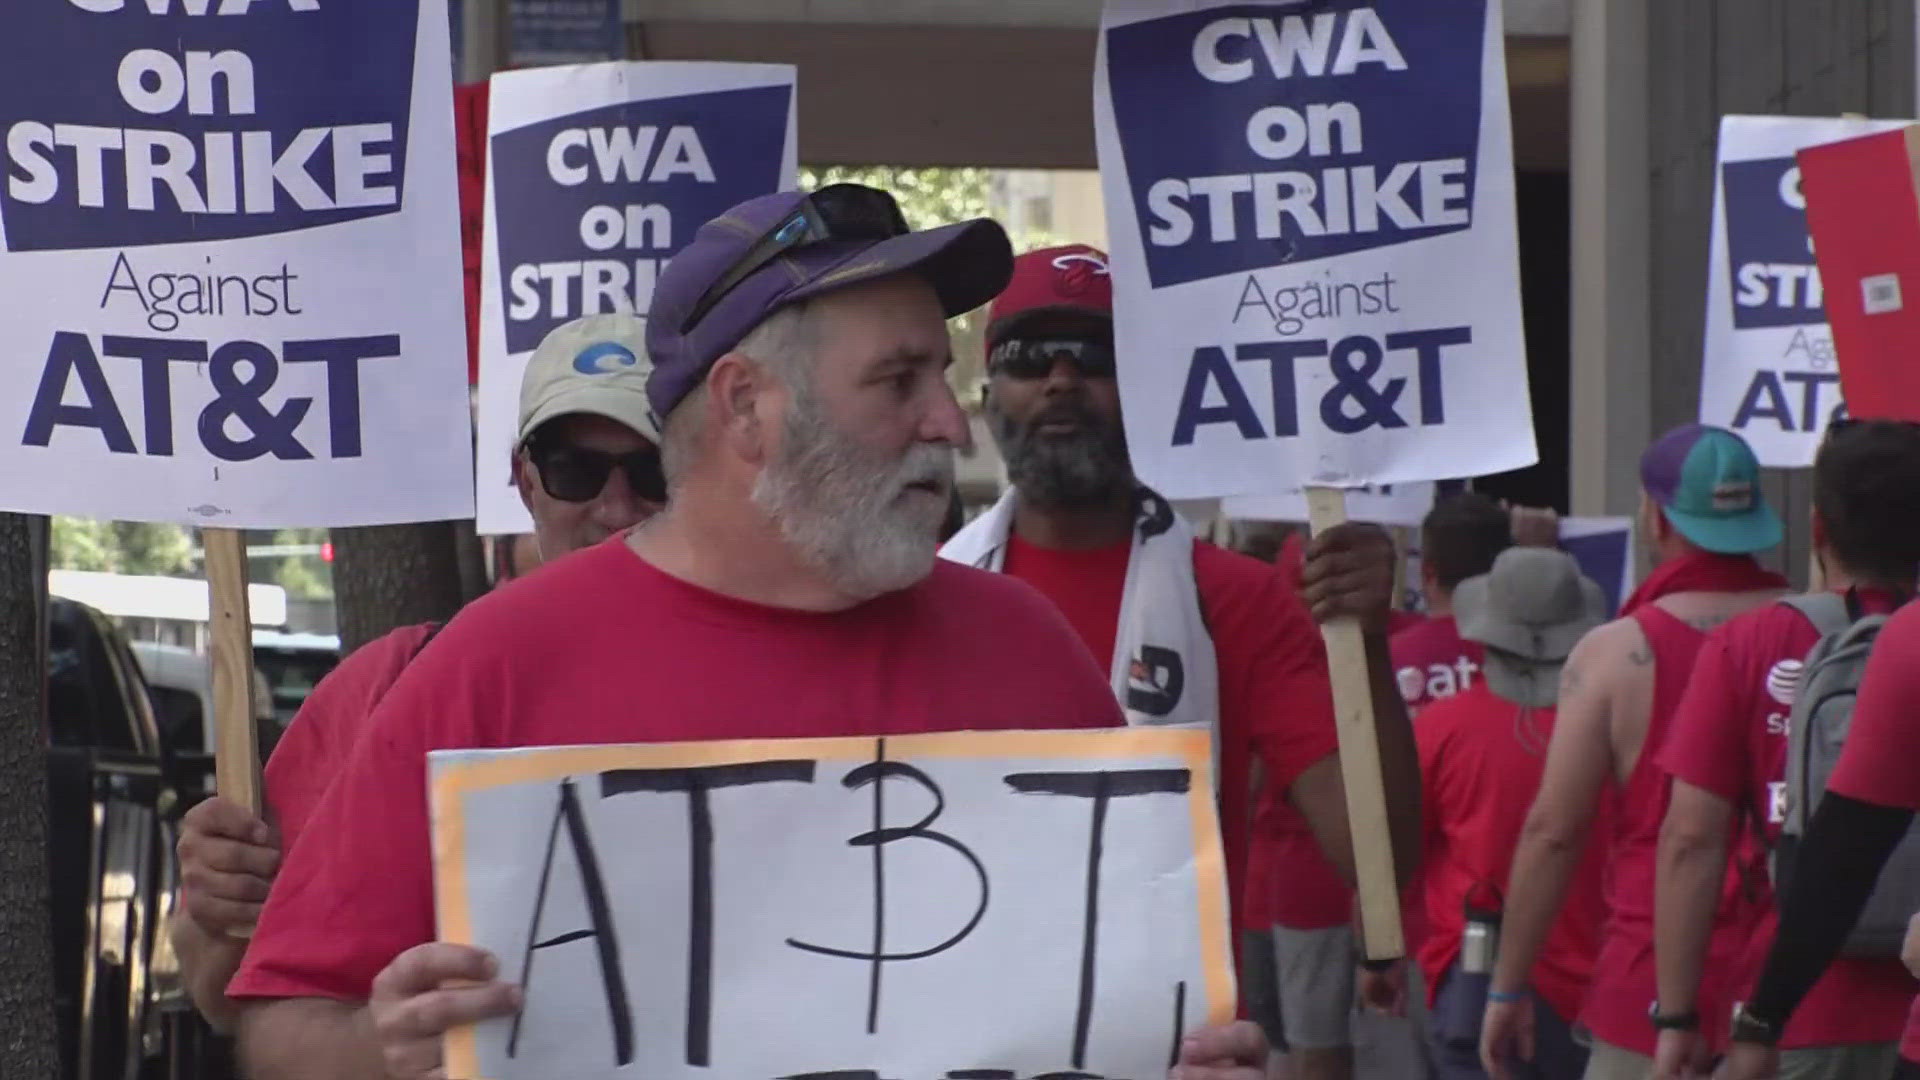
(116, 788)
(180, 685)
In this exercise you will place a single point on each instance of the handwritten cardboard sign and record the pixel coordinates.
(597, 174)
(1311, 212)
(931, 906)
(230, 245)
(1768, 367)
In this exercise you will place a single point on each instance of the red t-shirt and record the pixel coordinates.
(1275, 698)
(1432, 661)
(1729, 738)
(1480, 763)
(601, 647)
(1880, 762)
(329, 723)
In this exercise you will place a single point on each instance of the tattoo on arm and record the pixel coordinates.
(1641, 656)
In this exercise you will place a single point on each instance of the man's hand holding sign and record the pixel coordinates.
(1316, 285)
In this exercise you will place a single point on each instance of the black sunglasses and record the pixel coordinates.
(1033, 358)
(576, 474)
(835, 212)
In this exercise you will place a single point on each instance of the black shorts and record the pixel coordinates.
(1906, 1070)
(1260, 985)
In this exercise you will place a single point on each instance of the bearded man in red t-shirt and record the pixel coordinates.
(587, 464)
(789, 589)
(1187, 632)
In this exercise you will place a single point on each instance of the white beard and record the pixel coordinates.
(845, 509)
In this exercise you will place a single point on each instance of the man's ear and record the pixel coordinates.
(736, 389)
(523, 478)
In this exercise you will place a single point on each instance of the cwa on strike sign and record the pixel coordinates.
(1314, 262)
(235, 265)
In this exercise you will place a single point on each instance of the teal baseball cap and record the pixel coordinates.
(1707, 481)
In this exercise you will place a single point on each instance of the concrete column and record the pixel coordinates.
(485, 23)
(1611, 327)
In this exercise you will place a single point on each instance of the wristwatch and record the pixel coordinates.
(1686, 1021)
(1748, 1028)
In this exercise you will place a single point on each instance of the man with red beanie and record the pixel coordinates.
(1702, 512)
(1189, 633)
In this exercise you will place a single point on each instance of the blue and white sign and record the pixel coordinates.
(1768, 370)
(1603, 546)
(597, 174)
(1313, 244)
(233, 258)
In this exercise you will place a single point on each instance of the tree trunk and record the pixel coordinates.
(389, 576)
(29, 1040)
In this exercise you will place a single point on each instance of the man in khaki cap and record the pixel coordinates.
(587, 462)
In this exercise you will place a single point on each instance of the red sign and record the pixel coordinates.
(1864, 215)
(470, 147)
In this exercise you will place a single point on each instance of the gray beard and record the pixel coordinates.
(1086, 470)
(841, 506)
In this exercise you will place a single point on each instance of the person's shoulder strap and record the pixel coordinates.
(1829, 612)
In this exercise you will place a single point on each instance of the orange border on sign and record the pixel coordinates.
(452, 783)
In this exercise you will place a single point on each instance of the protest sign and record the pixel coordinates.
(597, 175)
(1863, 211)
(1313, 243)
(1386, 504)
(1768, 370)
(962, 905)
(233, 258)
(1603, 546)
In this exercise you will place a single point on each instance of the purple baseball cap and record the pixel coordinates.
(1707, 481)
(967, 264)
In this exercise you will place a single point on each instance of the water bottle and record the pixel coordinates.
(1481, 941)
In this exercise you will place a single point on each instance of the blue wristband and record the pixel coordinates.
(1506, 997)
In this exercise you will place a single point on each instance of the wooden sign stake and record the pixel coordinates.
(237, 746)
(1360, 760)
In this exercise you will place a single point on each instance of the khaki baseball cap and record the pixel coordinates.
(596, 365)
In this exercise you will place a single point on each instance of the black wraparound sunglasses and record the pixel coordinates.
(1033, 358)
(835, 212)
(577, 474)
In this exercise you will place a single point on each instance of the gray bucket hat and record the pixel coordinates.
(1529, 611)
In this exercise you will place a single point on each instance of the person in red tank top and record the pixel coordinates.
(587, 464)
(1727, 756)
(1703, 514)
(1481, 755)
(1078, 526)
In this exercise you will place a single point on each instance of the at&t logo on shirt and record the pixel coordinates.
(1783, 683)
(1436, 681)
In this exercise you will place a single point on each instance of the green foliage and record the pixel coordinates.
(927, 197)
(120, 547)
(304, 577)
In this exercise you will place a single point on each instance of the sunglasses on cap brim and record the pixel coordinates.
(578, 474)
(835, 212)
(1034, 358)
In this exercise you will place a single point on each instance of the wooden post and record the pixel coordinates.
(1360, 760)
(237, 745)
